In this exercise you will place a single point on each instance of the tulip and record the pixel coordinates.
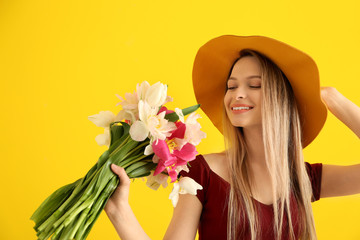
(193, 134)
(150, 123)
(185, 185)
(103, 119)
(170, 158)
(154, 182)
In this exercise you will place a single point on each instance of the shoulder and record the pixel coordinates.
(214, 159)
(217, 163)
(208, 162)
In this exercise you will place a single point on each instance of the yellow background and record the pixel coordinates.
(61, 61)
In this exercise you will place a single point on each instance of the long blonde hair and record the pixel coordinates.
(281, 128)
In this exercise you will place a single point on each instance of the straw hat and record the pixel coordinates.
(212, 66)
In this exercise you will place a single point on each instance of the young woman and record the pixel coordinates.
(264, 96)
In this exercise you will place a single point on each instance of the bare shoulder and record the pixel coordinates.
(217, 163)
(214, 159)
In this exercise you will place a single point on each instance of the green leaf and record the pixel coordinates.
(142, 171)
(116, 132)
(98, 207)
(135, 166)
(173, 117)
(52, 203)
(102, 159)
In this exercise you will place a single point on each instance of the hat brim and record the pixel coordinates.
(215, 58)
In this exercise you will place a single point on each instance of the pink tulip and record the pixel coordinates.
(170, 156)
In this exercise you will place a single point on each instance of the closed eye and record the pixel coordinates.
(230, 88)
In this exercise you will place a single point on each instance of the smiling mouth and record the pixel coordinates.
(241, 108)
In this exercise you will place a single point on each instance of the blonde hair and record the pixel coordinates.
(281, 130)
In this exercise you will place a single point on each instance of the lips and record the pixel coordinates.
(241, 108)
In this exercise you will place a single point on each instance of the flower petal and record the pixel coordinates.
(154, 95)
(159, 168)
(173, 175)
(167, 111)
(180, 114)
(151, 182)
(103, 119)
(179, 132)
(127, 115)
(179, 143)
(142, 111)
(188, 185)
(182, 168)
(142, 89)
(148, 150)
(103, 139)
(155, 159)
(193, 134)
(161, 150)
(174, 195)
(139, 131)
(188, 152)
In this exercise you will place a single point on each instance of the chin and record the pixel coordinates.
(246, 125)
(239, 124)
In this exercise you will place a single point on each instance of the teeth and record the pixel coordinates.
(241, 108)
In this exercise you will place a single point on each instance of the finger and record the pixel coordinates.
(124, 179)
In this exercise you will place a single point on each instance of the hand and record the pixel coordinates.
(120, 197)
(330, 95)
(342, 108)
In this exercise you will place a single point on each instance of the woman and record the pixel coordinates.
(264, 96)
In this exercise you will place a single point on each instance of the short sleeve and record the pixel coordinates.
(315, 172)
(200, 174)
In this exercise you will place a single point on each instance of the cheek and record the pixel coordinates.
(226, 98)
(258, 98)
(259, 103)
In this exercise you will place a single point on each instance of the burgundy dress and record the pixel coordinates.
(213, 196)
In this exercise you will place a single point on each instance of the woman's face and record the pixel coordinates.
(243, 96)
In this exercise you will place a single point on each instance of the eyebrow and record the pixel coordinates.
(249, 77)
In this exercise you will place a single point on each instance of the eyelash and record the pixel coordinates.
(231, 88)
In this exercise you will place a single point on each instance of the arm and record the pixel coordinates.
(182, 226)
(342, 108)
(185, 220)
(119, 211)
(341, 180)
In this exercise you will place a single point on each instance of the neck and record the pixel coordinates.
(255, 146)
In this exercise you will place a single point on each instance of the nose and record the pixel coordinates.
(239, 97)
(240, 93)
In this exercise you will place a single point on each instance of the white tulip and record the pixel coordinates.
(185, 185)
(130, 107)
(154, 182)
(103, 119)
(130, 102)
(150, 123)
(182, 168)
(156, 95)
(141, 90)
(130, 115)
(193, 134)
(103, 139)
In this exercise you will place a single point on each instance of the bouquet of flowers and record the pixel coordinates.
(147, 140)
